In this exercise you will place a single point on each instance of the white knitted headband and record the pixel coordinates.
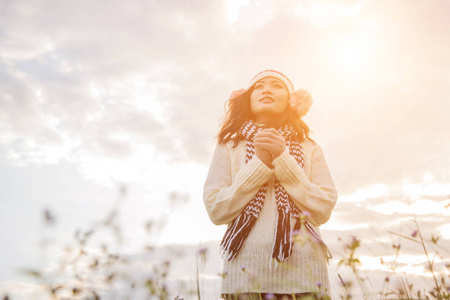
(275, 74)
(299, 100)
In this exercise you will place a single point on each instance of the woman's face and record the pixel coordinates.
(269, 99)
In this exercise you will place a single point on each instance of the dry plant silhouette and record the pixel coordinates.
(90, 268)
(404, 289)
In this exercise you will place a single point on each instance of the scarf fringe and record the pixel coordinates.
(282, 246)
(235, 235)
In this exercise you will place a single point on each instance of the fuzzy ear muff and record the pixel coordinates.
(301, 101)
(237, 93)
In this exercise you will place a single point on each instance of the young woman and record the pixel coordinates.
(269, 181)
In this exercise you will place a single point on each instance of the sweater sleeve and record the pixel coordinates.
(225, 195)
(318, 194)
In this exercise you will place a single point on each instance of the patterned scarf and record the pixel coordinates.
(239, 229)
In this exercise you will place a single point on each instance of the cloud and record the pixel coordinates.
(73, 90)
(384, 217)
(85, 81)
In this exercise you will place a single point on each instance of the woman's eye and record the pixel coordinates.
(258, 86)
(277, 85)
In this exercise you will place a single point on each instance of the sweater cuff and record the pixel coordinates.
(287, 169)
(255, 173)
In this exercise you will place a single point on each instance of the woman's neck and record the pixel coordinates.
(276, 122)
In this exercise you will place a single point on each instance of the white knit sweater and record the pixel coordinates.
(231, 184)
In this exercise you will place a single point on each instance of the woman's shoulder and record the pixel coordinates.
(311, 146)
(231, 145)
(230, 148)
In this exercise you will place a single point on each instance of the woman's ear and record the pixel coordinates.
(301, 101)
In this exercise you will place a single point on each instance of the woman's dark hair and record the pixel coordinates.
(238, 110)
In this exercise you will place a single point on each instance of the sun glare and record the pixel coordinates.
(444, 230)
(405, 263)
(352, 53)
(431, 189)
(374, 191)
(322, 13)
(339, 225)
(420, 207)
(234, 6)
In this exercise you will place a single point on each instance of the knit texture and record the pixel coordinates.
(239, 229)
(232, 183)
(275, 74)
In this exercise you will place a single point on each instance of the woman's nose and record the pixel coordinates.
(266, 90)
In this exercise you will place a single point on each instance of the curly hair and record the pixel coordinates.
(238, 110)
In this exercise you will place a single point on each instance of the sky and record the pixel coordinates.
(96, 96)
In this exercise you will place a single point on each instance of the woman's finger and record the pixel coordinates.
(271, 130)
(265, 146)
(269, 134)
(265, 140)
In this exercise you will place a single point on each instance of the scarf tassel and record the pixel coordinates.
(235, 235)
(282, 247)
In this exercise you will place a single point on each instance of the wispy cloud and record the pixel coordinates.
(84, 81)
